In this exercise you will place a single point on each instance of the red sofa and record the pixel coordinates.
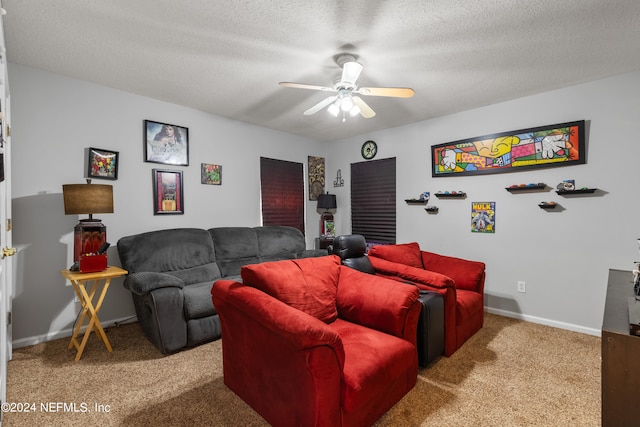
(309, 342)
(460, 281)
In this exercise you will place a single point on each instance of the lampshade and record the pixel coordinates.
(327, 201)
(87, 198)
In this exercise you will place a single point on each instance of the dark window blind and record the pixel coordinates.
(282, 190)
(373, 200)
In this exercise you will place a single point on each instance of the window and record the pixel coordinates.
(282, 189)
(373, 200)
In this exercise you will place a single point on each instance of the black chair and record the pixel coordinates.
(352, 248)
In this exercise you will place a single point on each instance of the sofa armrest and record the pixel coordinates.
(143, 282)
(378, 303)
(412, 274)
(466, 274)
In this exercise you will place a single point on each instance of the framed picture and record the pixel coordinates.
(210, 174)
(483, 217)
(329, 229)
(561, 144)
(316, 176)
(166, 144)
(102, 164)
(167, 192)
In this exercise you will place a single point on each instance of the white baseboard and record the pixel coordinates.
(25, 342)
(542, 321)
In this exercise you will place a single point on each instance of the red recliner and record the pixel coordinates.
(460, 281)
(310, 342)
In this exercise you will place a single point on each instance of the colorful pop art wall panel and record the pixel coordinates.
(554, 145)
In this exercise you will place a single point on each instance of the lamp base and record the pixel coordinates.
(88, 236)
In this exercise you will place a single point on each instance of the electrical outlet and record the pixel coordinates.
(522, 286)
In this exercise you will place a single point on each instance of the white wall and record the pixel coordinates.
(54, 119)
(563, 255)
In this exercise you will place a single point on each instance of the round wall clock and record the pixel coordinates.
(369, 150)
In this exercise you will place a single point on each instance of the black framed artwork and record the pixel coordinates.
(210, 174)
(102, 164)
(561, 144)
(166, 143)
(167, 192)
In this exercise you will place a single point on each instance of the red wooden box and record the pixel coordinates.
(93, 263)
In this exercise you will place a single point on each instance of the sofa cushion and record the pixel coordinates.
(465, 273)
(166, 250)
(279, 242)
(404, 253)
(308, 284)
(234, 247)
(234, 242)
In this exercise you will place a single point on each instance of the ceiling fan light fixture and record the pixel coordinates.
(334, 109)
(354, 111)
(346, 104)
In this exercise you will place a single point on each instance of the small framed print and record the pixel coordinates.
(329, 229)
(211, 174)
(167, 192)
(166, 144)
(102, 164)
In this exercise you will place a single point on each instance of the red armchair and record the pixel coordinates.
(460, 281)
(309, 342)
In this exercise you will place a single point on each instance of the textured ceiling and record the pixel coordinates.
(226, 57)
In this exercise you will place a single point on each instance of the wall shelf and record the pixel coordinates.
(548, 205)
(456, 195)
(416, 201)
(431, 209)
(578, 191)
(527, 188)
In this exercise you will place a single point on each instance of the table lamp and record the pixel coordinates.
(327, 201)
(79, 199)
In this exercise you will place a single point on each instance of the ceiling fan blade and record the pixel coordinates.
(320, 105)
(306, 86)
(351, 71)
(365, 110)
(395, 92)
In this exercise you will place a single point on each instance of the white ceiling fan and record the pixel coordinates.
(346, 99)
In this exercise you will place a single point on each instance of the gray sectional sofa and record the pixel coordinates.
(171, 273)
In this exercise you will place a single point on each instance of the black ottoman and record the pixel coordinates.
(430, 340)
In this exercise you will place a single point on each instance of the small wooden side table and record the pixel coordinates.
(89, 310)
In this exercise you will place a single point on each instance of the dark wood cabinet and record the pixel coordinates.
(620, 355)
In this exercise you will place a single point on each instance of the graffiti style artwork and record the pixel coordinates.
(555, 145)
